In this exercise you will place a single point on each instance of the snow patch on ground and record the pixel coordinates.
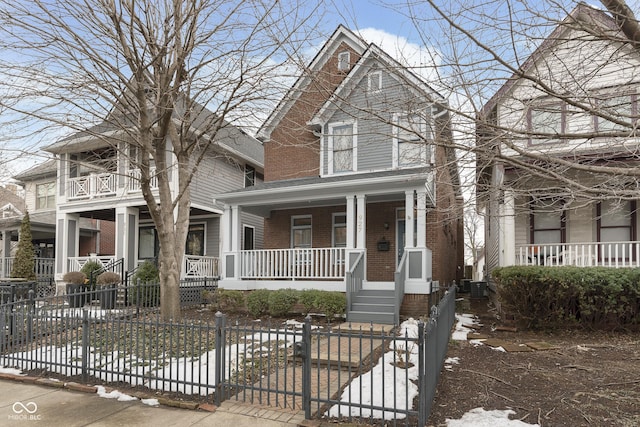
(460, 332)
(478, 417)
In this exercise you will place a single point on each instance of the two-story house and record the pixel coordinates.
(98, 179)
(361, 187)
(570, 110)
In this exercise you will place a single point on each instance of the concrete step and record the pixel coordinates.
(373, 308)
(373, 299)
(376, 292)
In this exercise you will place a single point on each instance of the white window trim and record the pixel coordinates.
(333, 227)
(344, 61)
(354, 127)
(293, 227)
(396, 140)
(244, 227)
(370, 77)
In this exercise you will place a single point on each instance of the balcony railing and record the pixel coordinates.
(312, 263)
(76, 263)
(91, 186)
(134, 179)
(604, 254)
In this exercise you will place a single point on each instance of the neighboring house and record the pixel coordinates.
(97, 181)
(39, 199)
(539, 220)
(361, 187)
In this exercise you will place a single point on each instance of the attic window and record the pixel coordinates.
(375, 81)
(344, 61)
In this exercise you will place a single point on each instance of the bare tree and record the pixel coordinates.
(156, 71)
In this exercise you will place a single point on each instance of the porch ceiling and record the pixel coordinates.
(327, 191)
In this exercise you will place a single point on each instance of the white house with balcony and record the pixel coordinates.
(96, 179)
(533, 219)
(361, 190)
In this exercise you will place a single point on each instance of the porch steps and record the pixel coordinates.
(376, 306)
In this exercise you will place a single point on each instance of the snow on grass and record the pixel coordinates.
(478, 417)
(388, 381)
(11, 371)
(161, 373)
(461, 331)
(114, 394)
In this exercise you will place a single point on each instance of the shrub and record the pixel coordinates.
(230, 300)
(281, 301)
(92, 269)
(107, 278)
(146, 289)
(309, 300)
(23, 264)
(258, 302)
(549, 297)
(74, 277)
(332, 304)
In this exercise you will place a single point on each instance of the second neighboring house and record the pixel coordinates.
(361, 187)
(96, 180)
(533, 220)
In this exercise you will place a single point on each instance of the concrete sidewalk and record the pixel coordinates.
(23, 404)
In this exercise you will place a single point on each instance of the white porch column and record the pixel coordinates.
(508, 230)
(127, 236)
(6, 252)
(408, 216)
(67, 240)
(225, 230)
(361, 224)
(351, 222)
(422, 218)
(236, 236)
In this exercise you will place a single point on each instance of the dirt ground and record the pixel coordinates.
(585, 378)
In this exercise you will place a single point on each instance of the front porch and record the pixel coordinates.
(588, 254)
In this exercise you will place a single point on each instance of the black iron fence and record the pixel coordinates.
(339, 373)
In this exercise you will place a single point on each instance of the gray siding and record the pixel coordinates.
(216, 174)
(212, 247)
(374, 114)
(257, 223)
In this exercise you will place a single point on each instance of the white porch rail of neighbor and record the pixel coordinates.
(134, 179)
(43, 267)
(93, 185)
(199, 266)
(312, 263)
(76, 263)
(591, 254)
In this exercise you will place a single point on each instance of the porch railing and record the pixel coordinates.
(43, 267)
(399, 279)
(353, 279)
(311, 263)
(93, 185)
(200, 266)
(76, 263)
(591, 254)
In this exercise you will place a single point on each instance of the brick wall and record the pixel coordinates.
(293, 151)
(107, 237)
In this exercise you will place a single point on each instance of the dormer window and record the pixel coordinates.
(344, 61)
(374, 81)
(249, 176)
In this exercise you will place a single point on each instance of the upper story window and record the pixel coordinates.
(342, 147)
(412, 134)
(344, 61)
(301, 231)
(374, 81)
(249, 176)
(546, 119)
(622, 107)
(46, 195)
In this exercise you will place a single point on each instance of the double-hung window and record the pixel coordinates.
(301, 231)
(616, 223)
(342, 148)
(620, 107)
(339, 226)
(546, 122)
(46, 195)
(411, 138)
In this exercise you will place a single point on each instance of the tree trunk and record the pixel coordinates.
(169, 288)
